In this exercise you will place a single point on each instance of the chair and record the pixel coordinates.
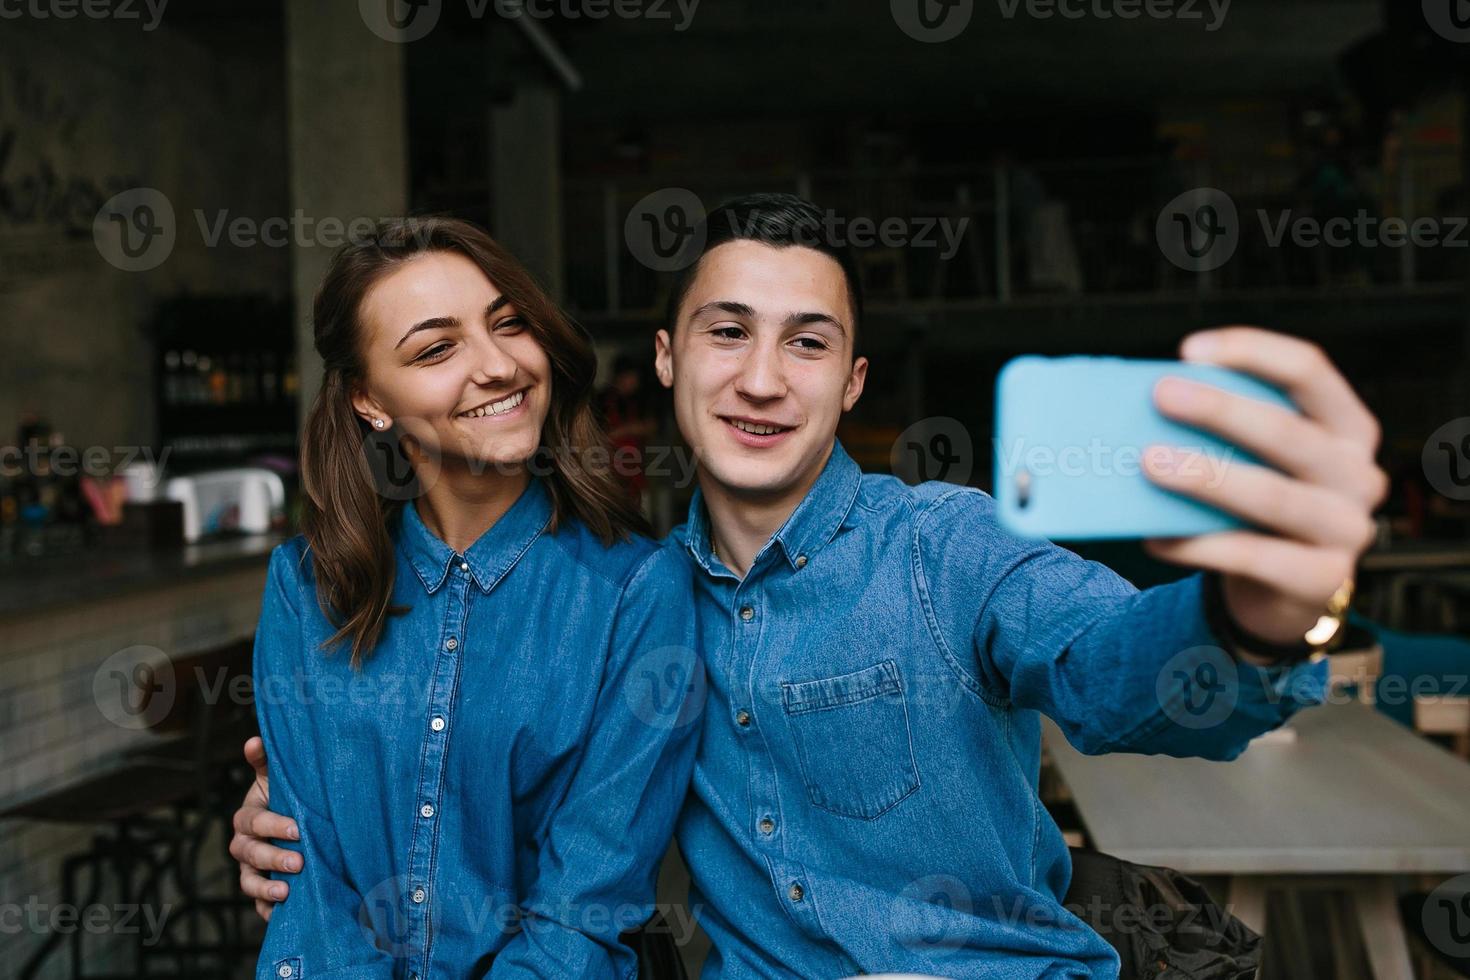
(155, 812)
(1446, 716)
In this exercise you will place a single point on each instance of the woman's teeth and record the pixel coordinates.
(495, 408)
(753, 429)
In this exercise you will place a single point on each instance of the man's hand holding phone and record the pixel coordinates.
(1311, 505)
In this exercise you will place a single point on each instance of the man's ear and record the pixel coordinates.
(663, 358)
(856, 378)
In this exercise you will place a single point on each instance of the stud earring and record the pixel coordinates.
(377, 423)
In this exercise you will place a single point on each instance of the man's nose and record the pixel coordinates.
(762, 375)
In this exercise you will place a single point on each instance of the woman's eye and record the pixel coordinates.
(512, 324)
(433, 353)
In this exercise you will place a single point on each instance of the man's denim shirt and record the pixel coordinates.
(491, 794)
(865, 796)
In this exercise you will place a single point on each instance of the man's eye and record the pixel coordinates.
(811, 343)
(728, 333)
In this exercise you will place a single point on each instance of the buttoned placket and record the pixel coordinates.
(435, 740)
(765, 823)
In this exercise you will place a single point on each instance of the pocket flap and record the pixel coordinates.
(829, 692)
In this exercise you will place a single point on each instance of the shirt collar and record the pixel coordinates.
(813, 523)
(490, 557)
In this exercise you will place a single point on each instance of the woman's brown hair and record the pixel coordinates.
(346, 515)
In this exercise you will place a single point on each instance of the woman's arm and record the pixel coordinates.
(600, 860)
(318, 930)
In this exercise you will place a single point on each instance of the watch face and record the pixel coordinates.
(1325, 631)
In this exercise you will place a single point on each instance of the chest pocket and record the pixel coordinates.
(852, 740)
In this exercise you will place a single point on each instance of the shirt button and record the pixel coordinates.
(747, 613)
(767, 825)
(795, 892)
(418, 896)
(427, 810)
(464, 566)
(801, 561)
(284, 971)
(437, 724)
(451, 643)
(742, 718)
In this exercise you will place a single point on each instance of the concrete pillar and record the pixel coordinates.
(347, 138)
(525, 179)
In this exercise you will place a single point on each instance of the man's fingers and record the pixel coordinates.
(268, 857)
(261, 888)
(1287, 440)
(255, 755)
(1304, 573)
(1263, 497)
(264, 909)
(269, 825)
(1300, 368)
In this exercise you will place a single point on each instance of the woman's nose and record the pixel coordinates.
(493, 363)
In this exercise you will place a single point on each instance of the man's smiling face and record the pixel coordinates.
(762, 367)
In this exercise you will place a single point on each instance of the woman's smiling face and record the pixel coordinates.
(448, 358)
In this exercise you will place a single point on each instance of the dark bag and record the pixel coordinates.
(658, 954)
(1163, 924)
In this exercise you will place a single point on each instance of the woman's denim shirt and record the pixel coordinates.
(491, 793)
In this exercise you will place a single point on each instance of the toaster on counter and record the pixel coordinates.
(245, 500)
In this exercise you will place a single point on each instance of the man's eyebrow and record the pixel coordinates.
(724, 306)
(808, 319)
(449, 322)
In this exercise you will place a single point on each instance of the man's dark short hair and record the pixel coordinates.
(779, 220)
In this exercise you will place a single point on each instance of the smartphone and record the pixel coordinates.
(1070, 437)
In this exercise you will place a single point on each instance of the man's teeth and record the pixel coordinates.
(496, 408)
(752, 428)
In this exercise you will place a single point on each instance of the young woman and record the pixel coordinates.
(473, 683)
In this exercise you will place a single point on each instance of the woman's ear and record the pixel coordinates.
(368, 409)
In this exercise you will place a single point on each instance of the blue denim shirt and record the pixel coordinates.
(865, 796)
(491, 794)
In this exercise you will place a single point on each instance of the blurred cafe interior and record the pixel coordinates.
(174, 179)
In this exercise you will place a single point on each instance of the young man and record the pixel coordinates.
(865, 794)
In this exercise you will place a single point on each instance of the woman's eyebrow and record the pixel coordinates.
(433, 323)
(450, 322)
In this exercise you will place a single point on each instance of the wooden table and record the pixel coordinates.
(1352, 801)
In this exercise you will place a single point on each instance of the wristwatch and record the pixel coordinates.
(1317, 642)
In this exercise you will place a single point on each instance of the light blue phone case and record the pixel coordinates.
(1070, 434)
